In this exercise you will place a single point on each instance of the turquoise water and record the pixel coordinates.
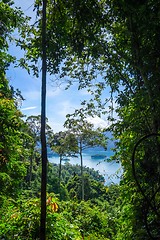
(105, 169)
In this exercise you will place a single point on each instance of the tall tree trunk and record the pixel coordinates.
(30, 171)
(82, 171)
(43, 137)
(60, 165)
(31, 164)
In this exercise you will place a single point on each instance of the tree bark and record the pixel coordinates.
(60, 165)
(82, 171)
(30, 171)
(43, 137)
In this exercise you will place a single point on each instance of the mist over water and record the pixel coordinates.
(107, 170)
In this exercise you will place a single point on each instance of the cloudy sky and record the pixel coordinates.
(59, 101)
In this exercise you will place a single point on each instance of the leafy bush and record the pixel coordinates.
(21, 220)
(91, 221)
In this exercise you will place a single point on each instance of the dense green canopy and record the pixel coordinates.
(119, 41)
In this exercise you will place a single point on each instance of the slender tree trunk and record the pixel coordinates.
(43, 137)
(30, 171)
(60, 165)
(31, 165)
(82, 172)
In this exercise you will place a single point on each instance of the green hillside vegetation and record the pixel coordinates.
(70, 174)
(103, 45)
(73, 218)
(69, 171)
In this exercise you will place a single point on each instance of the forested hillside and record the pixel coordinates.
(97, 44)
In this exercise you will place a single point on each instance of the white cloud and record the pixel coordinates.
(84, 92)
(28, 108)
(57, 127)
(66, 107)
(32, 95)
(51, 92)
(97, 122)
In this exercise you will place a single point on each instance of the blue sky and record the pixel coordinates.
(59, 101)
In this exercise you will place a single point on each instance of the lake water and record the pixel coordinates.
(108, 170)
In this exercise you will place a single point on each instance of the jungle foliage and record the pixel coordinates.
(119, 41)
